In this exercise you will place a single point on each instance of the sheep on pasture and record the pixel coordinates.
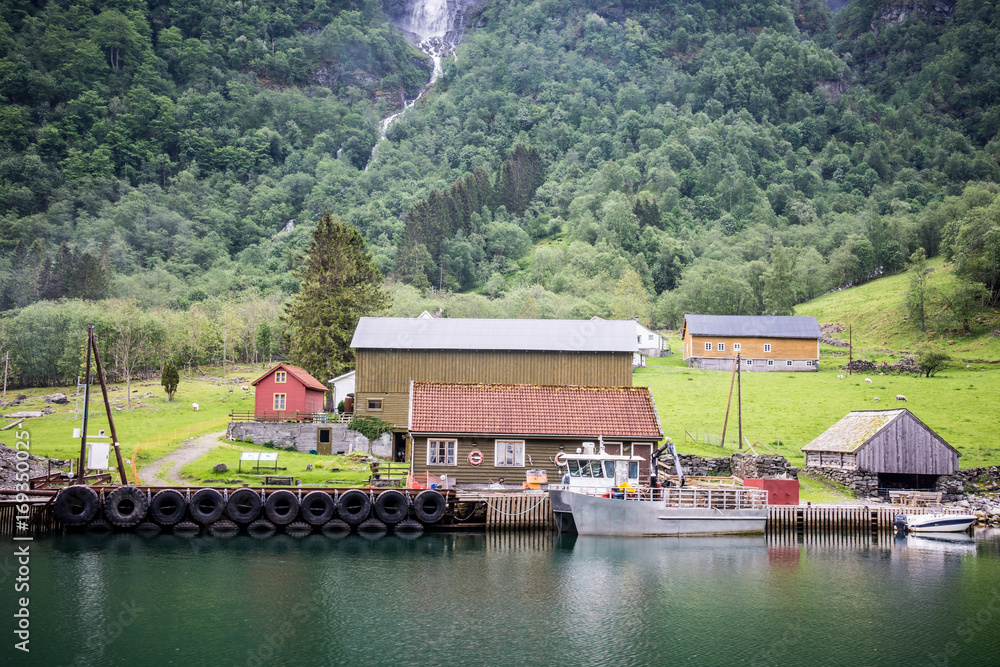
(840, 377)
(875, 399)
(194, 406)
(868, 380)
(900, 397)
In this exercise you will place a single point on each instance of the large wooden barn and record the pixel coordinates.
(764, 343)
(477, 433)
(901, 449)
(392, 352)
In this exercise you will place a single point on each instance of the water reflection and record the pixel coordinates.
(501, 598)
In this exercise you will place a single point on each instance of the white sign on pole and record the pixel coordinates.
(97, 455)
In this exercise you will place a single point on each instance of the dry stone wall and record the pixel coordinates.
(303, 437)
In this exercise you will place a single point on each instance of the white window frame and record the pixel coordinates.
(749, 362)
(722, 347)
(284, 401)
(737, 347)
(445, 448)
(788, 362)
(770, 362)
(372, 408)
(767, 347)
(500, 454)
(708, 347)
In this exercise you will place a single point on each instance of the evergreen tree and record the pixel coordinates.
(779, 283)
(916, 293)
(170, 378)
(340, 285)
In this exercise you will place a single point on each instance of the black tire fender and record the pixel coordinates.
(281, 507)
(76, 505)
(126, 506)
(261, 528)
(187, 529)
(354, 506)
(223, 528)
(99, 527)
(298, 529)
(429, 506)
(408, 529)
(318, 507)
(147, 529)
(372, 528)
(167, 507)
(391, 507)
(243, 505)
(206, 506)
(336, 528)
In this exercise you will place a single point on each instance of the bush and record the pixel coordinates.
(931, 360)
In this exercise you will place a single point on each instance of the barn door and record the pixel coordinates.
(613, 448)
(645, 450)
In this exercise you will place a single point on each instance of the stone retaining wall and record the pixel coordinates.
(303, 437)
(739, 464)
(863, 484)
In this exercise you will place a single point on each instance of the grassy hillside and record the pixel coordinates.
(876, 312)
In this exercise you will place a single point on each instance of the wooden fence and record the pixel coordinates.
(506, 511)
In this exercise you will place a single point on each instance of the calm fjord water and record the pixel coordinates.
(510, 599)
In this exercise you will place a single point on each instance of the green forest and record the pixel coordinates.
(164, 162)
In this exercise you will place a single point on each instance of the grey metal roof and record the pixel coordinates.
(407, 333)
(757, 326)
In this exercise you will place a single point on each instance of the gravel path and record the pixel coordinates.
(169, 468)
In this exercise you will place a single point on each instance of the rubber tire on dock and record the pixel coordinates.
(99, 527)
(372, 528)
(298, 529)
(261, 528)
(429, 506)
(187, 529)
(336, 528)
(167, 507)
(281, 507)
(243, 505)
(126, 506)
(147, 529)
(354, 506)
(76, 505)
(318, 507)
(223, 528)
(409, 529)
(391, 506)
(206, 506)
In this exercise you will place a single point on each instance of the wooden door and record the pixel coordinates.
(323, 441)
(645, 450)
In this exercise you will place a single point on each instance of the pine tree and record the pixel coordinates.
(340, 285)
(170, 378)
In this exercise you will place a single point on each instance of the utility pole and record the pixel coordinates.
(6, 364)
(86, 411)
(850, 348)
(739, 400)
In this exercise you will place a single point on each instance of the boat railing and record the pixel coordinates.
(712, 497)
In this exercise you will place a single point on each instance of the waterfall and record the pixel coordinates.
(433, 26)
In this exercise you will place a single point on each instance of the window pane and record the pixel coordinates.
(609, 468)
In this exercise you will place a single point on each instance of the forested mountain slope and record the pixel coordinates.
(715, 156)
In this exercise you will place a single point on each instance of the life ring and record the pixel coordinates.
(560, 459)
(475, 457)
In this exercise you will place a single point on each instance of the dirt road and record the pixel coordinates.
(168, 469)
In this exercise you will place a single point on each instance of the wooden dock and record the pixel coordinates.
(40, 520)
(872, 518)
(515, 511)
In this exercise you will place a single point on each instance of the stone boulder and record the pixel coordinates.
(220, 467)
(60, 399)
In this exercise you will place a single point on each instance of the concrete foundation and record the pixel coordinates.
(758, 366)
(305, 437)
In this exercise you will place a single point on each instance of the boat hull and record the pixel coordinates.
(594, 515)
(939, 523)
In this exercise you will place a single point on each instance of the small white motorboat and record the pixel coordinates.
(934, 523)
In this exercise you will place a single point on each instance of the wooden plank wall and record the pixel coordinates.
(386, 374)
(39, 515)
(509, 511)
(840, 517)
(907, 446)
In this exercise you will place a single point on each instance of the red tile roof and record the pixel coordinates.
(298, 373)
(523, 409)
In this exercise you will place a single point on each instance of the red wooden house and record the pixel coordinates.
(287, 393)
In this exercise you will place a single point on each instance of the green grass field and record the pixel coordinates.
(875, 311)
(159, 425)
(332, 470)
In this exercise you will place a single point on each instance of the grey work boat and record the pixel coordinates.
(600, 495)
